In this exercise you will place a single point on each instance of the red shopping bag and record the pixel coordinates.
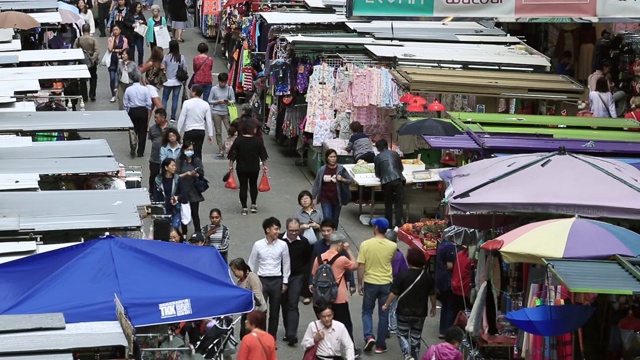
(264, 185)
(231, 182)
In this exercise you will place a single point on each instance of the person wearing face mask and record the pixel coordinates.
(189, 166)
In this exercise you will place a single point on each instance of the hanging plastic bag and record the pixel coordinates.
(231, 182)
(185, 214)
(264, 182)
(106, 59)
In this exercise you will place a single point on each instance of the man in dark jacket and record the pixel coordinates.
(300, 253)
(388, 168)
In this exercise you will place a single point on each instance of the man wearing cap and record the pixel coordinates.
(196, 239)
(375, 276)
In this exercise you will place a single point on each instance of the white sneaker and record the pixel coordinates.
(408, 357)
(113, 99)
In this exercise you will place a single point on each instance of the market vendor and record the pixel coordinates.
(388, 168)
(360, 143)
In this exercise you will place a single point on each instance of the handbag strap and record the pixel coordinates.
(411, 286)
(201, 65)
(266, 354)
(605, 105)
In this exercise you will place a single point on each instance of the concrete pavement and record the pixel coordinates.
(287, 180)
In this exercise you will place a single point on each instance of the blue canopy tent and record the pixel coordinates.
(157, 282)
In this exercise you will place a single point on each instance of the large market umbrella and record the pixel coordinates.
(432, 127)
(157, 282)
(573, 238)
(557, 182)
(551, 320)
(69, 17)
(17, 20)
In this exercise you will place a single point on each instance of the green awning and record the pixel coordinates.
(569, 122)
(594, 276)
(559, 133)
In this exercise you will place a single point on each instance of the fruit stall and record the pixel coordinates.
(423, 235)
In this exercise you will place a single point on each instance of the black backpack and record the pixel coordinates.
(325, 286)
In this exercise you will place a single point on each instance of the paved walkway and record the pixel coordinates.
(287, 180)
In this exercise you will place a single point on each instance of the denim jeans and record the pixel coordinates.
(174, 92)
(393, 319)
(113, 81)
(373, 293)
(447, 311)
(331, 212)
(206, 90)
(137, 45)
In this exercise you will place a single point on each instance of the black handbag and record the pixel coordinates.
(201, 184)
(181, 74)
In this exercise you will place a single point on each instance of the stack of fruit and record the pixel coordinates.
(429, 231)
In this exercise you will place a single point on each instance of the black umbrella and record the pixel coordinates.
(429, 127)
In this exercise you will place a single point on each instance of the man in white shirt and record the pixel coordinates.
(137, 103)
(195, 118)
(270, 260)
(330, 335)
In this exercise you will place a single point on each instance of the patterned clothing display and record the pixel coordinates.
(341, 123)
(322, 131)
(320, 97)
(302, 76)
(293, 117)
(281, 75)
(343, 98)
(360, 87)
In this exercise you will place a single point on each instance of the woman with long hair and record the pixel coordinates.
(127, 70)
(249, 281)
(87, 15)
(117, 13)
(171, 144)
(216, 234)
(190, 168)
(156, 19)
(116, 44)
(247, 152)
(168, 187)
(132, 20)
(202, 68)
(155, 75)
(601, 100)
(172, 62)
(331, 187)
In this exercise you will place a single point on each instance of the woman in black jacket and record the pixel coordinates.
(247, 151)
(167, 189)
(133, 18)
(190, 168)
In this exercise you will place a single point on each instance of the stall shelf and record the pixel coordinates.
(65, 121)
(59, 149)
(488, 83)
(569, 122)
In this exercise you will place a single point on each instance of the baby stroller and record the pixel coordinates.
(218, 341)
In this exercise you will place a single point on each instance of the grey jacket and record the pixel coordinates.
(344, 194)
(388, 166)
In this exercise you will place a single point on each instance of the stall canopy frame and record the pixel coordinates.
(500, 84)
(594, 276)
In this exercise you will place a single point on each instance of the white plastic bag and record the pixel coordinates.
(185, 213)
(140, 29)
(106, 59)
(310, 234)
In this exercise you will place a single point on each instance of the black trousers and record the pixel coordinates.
(289, 302)
(272, 292)
(393, 201)
(103, 17)
(154, 170)
(340, 313)
(195, 216)
(139, 117)
(248, 180)
(197, 138)
(93, 82)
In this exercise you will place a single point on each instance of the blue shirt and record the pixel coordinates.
(446, 253)
(137, 95)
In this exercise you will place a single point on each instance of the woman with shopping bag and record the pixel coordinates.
(247, 152)
(168, 191)
(190, 170)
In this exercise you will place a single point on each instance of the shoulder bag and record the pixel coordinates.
(266, 354)
(181, 74)
(605, 106)
(310, 353)
(195, 71)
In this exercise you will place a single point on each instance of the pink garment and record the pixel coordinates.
(442, 351)
(375, 86)
(360, 87)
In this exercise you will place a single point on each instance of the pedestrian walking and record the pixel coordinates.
(190, 168)
(137, 103)
(374, 283)
(126, 71)
(247, 152)
(155, 20)
(156, 134)
(179, 19)
(250, 281)
(87, 15)
(445, 259)
(330, 336)
(300, 255)
(331, 187)
(388, 168)
(116, 44)
(172, 62)
(216, 234)
(155, 76)
(220, 97)
(327, 228)
(310, 218)
(202, 68)
(132, 19)
(412, 290)
(171, 143)
(116, 17)
(398, 264)
(103, 16)
(270, 260)
(167, 188)
(257, 344)
(342, 262)
(89, 45)
(195, 120)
